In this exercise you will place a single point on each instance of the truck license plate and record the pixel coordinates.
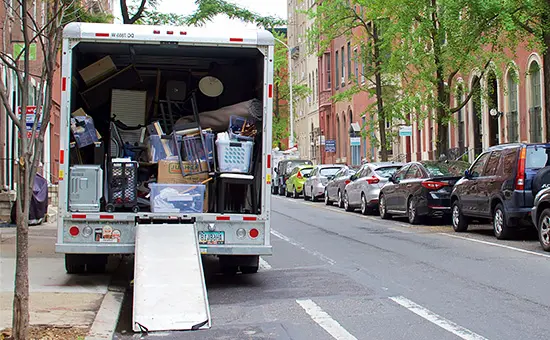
(211, 237)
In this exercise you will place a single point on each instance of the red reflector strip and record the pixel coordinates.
(183, 33)
(106, 217)
(269, 161)
(61, 156)
(169, 32)
(236, 39)
(223, 218)
(64, 84)
(270, 91)
(249, 218)
(156, 32)
(102, 35)
(79, 216)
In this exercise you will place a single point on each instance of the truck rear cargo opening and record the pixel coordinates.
(165, 125)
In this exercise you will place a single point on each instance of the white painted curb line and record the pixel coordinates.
(106, 319)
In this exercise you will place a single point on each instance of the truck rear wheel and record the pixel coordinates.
(74, 264)
(80, 263)
(249, 269)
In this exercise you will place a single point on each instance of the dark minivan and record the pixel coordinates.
(500, 186)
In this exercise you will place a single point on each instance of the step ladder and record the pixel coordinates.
(169, 285)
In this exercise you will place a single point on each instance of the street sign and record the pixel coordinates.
(29, 121)
(330, 145)
(405, 131)
(355, 141)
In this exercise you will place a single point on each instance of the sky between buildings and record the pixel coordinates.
(186, 7)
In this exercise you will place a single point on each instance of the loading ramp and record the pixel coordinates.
(169, 284)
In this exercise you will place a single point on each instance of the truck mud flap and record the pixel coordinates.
(169, 284)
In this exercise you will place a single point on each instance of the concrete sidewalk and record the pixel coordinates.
(56, 298)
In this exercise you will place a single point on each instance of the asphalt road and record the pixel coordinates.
(338, 275)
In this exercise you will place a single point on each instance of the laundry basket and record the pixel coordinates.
(234, 156)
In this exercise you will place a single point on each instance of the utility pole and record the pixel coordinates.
(291, 103)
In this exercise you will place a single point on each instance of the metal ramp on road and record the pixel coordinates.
(169, 284)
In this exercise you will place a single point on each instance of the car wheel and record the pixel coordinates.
(365, 210)
(296, 194)
(347, 206)
(412, 212)
(459, 221)
(544, 230)
(327, 199)
(382, 207)
(313, 197)
(340, 200)
(287, 194)
(282, 191)
(500, 227)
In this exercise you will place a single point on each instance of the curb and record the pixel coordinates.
(106, 319)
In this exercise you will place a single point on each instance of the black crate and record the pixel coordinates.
(122, 186)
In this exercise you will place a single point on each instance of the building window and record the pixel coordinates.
(316, 94)
(460, 118)
(535, 110)
(512, 115)
(356, 63)
(349, 61)
(337, 82)
(343, 81)
(327, 68)
(364, 130)
(310, 88)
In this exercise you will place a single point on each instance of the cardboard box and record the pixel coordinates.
(98, 71)
(169, 172)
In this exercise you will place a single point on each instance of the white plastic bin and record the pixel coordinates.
(234, 156)
(177, 198)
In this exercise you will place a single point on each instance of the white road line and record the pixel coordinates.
(497, 245)
(326, 321)
(440, 321)
(264, 265)
(299, 245)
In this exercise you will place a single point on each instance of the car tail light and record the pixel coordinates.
(74, 231)
(433, 185)
(373, 180)
(254, 233)
(520, 176)
(299, 175)
(348, 181)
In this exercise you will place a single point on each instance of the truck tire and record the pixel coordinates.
(249, 269)
(74, 264)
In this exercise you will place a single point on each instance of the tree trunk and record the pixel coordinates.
(379, 99)
(546, 71)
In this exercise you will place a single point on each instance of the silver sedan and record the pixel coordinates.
(314, 187)
(364, 187)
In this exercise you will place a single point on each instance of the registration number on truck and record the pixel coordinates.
(211, 237)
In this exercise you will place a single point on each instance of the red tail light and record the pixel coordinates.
(373, 180)
(433, 185)
(348, 181)
(299, 175)
(520, 176)
(254, 232)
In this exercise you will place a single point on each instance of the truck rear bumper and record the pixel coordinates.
(129, 249)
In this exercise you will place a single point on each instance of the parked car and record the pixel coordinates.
(364, 188)
(420, 189)
(501, 186)
(541, 215)
(295, 183)
(284, 168)
(334, 190)
(315, 184)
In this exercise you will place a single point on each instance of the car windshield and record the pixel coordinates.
(448, 168)
(537, 157)
(293, 164)
(386, 171)
(329, 171)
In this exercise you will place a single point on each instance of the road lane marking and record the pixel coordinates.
(299, 245)
(326, 321)
(497, 245)
(264, 265)
(438, 320)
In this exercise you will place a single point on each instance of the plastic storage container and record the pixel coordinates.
(177, 198)
(234, 156)
(160, 147)
(235, 127)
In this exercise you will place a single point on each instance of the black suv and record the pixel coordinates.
(500, 186)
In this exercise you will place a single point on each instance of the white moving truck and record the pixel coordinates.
(242, 60)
